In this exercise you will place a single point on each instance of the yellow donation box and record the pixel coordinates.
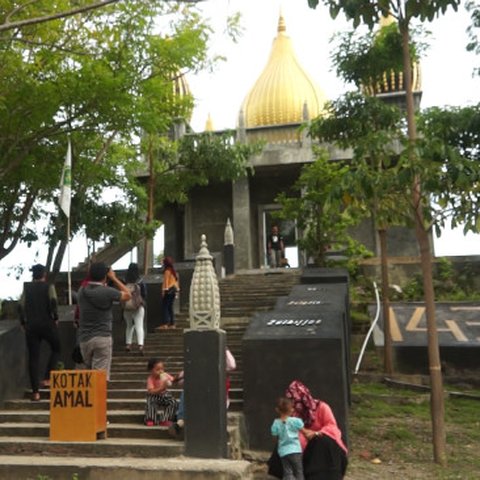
(78, 405)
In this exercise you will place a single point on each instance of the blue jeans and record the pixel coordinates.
(181, 408)
(168, 317)
(292, 467)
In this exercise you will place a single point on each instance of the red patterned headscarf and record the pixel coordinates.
(304, 405)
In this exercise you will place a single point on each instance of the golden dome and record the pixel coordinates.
(283, 89)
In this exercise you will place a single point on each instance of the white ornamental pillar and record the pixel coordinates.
(204, 309)
(205, 344)
(228, 250)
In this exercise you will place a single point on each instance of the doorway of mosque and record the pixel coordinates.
(287, 229)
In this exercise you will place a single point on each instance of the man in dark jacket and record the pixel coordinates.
(39, 317)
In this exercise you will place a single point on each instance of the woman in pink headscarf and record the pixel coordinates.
(325, 454)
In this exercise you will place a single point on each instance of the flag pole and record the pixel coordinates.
(65, 202)
(69, 272)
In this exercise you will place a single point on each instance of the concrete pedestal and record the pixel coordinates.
(229, 259)
(205, 394)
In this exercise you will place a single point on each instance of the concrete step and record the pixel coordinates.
(140, 367)
(122, 375)
(114, 430)
(125, 393)
(115, 417)
(139, 383)
(112, 404)
(109, 447)
(43, 416)
(23, 467)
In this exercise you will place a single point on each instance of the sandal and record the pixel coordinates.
(35, 396)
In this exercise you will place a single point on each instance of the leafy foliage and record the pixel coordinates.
(448, 160)
(367, 11)
(473, 30)
(364, 59)
(319, 209)
(373, 131)
(110, 79)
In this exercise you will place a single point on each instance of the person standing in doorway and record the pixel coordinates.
(95, 301)
(39, 317)
(275, 248)
(170, 288)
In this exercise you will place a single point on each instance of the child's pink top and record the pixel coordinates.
(162, 383)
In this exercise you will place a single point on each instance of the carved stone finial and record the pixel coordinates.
(228, 235)
(204, 292)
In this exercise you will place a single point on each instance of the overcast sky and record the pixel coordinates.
(446, 69)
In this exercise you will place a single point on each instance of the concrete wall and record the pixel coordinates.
(13, 360)
(207, 213)
(402, 269)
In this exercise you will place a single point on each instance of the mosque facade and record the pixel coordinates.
(283, 98)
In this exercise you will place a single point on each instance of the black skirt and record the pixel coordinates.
(323, 459)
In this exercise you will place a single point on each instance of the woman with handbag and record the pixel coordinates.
(134, 309)
(170, 287)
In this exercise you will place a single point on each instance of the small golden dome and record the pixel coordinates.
(392, 81)
(282, 90)
(180, 85)
(181, 88)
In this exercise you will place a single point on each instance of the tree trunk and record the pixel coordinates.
(436, 397)
(51, 250)
(58, 259)
(388, 351)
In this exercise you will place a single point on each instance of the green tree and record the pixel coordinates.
(317, 203)
(450, 157)
(372, 130)
(34, 13)
(368, 12)
(106, 78)
(473, 30)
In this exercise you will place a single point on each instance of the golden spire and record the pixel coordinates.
(209, 124)
(280, 93)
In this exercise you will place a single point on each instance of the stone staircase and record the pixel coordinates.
(26, 452)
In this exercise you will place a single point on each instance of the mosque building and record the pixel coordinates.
(282, 99)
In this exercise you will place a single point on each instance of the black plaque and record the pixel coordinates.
(282, 346)
(458, 329)
(325, 275)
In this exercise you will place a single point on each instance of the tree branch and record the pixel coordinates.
(18, 9)
(67, 13)
(49, 45)
(47, 18)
